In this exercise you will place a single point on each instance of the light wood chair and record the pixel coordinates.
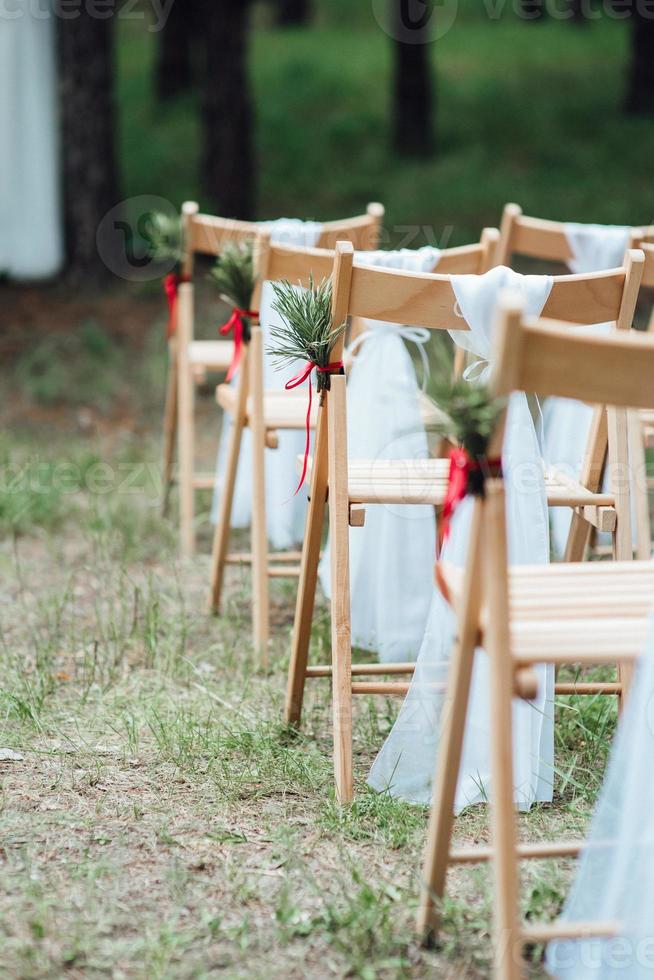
(265, 413)
(426, 301)
(536, 238)
(190, 360)
(585, 613)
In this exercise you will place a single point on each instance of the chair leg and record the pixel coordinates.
(169, 429)
(578, 537)
(185, 423)
(591, 478)
(450, 746)
(339, 532)
(618, 434)
(259, 534)
(221, 531)
(638, 467)
(308, 580)
(507, 945)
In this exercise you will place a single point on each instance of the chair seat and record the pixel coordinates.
(572, 609)
(216, 355)
(424, 481)
(281, 409)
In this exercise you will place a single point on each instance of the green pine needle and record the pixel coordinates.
(163, 236)
(472, 414)
(233, 274)
(307, 332)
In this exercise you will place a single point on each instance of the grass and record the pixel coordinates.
(162, 822)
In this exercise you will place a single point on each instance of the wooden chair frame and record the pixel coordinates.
(190, 360)
(247, 405)
(427, 301)
(265, 413)
(546, 240)
(504, 608)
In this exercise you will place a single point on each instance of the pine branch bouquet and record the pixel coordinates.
(471, 415)
(233, 274)
(307, 332)
(163, 236)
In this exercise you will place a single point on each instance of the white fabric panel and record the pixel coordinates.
(615, 876)
(392, 556)
(405, 765)
(31, 245)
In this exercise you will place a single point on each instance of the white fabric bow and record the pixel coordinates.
(412, 335)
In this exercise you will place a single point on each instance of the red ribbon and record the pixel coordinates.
(171, 286)
(236, 324)
(457, 485)
(295, 382)
(461, 466)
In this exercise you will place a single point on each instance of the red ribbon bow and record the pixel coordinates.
(461, 466)
(236, 324)
(171, 286)
(295, 382)
(457, 486)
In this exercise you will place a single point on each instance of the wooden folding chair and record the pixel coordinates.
(584, 613)
(426, 301)
(642, 437)
(546, 241)
(189, 360)
(265, 413)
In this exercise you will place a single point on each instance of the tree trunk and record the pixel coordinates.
(174, 67)
(413, 100)
(90, 179)
(227, 165)
(640, 87)
(578, 15)
(293, 13)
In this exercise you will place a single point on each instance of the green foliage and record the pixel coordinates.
(507, 128)
(472, 413)
(233, 274)
(163, 236)
(80, 368)
(41, 490)
(307, 332)
(375, 817)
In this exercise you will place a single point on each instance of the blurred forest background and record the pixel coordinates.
(309, 108)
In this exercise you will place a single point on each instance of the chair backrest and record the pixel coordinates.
(296, 265)
(428, 299)
(647, 249)
(274, 263)
(547, 357)
(207, 234)
(537, 238)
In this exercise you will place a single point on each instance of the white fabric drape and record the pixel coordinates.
(566, 422)
(391, 557)
(405, 765)
(31, 245)
(615, 877)
(285, 514)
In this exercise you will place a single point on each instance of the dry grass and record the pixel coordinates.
(161, 821)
